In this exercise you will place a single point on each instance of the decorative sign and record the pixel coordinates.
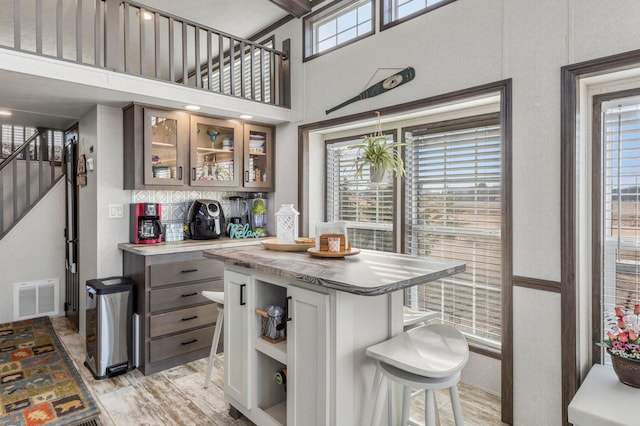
(385, 85)
(239, 231)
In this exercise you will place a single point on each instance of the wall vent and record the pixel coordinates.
(36, 299)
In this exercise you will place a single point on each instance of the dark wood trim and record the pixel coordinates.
(570, 76)
(504, 87)
(536, 284)
(485, 352)
(383, 7)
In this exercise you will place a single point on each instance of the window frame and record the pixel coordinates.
(332, 9)
(384, 6)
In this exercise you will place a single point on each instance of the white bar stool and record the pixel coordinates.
(412, 318)
(428, 357)
(218, 298)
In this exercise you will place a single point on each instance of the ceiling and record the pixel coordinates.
(38, 101)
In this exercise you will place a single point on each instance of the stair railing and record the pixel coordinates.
(125, 36)
(27, 174)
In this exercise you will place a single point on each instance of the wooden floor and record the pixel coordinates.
(177, 396)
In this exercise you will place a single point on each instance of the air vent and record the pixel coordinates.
(36, 299)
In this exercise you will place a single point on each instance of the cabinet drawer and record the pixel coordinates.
(185, 295)
(173, 322)
(180, 272)
(172, 346)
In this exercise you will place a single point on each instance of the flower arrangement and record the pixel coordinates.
(624, 341)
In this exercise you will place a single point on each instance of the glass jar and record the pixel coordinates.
(287, 224)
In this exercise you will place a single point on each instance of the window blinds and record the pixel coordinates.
(621, 208)
(366, 207)
(453, 210)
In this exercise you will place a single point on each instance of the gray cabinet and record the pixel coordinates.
(176, 321)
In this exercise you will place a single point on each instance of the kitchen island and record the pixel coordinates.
(336, 308)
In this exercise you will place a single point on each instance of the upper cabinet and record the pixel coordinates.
(166, 149)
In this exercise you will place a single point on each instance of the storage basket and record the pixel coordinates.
(273, 323)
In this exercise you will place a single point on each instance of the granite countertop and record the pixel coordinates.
(186, 246)
(369, 273)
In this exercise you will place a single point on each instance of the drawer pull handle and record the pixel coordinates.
(190, 294)
(190, 270)
(189, 342)
(190, 318)
(242, 301)
(287, 308)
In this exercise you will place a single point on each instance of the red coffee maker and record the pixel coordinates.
(145, 223)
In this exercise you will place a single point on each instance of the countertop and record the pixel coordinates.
(369, 273)
(187, 246)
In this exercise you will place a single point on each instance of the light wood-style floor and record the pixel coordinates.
(177, 396)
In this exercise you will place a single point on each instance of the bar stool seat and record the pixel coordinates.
(218, 298)
(412, 318)
(428, 357)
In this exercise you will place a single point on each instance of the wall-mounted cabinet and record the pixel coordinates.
(166, 149)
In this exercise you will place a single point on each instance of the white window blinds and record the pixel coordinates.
(366, 207)
(621, 209)
(453, 210)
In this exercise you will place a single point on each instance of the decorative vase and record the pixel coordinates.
(627, 370)
(378, 176)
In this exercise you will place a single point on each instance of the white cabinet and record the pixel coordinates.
(237, 371)
(251, 362)
(308, 358)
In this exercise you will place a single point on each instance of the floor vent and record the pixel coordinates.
(36, 299)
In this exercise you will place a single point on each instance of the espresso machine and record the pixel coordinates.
(239, 209)
(145, 226)
(258, 213)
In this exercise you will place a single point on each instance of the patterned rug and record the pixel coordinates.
(38, 382)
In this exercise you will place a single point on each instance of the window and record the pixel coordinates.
(368, 208)
(453, 208)
(620, 208)
(395, 11)
(337, 25)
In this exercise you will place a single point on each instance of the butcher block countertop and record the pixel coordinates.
(369, 273)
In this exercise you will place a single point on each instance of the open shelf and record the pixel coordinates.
(216, 150)
(271, 396)
(277, 351)
(278, 412)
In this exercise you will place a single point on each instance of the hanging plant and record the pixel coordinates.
(379, 154)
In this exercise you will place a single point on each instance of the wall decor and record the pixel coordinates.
(391, 82)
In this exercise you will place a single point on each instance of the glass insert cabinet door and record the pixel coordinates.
(216, 152)
(164, 136)
(258, 158)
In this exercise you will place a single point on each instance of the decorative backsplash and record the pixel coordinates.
(175, 204)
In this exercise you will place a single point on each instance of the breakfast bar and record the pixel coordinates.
(335, 308)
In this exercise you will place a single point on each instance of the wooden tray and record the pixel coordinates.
(272, 244)
(320, 253)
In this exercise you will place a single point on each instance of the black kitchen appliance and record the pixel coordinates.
(205, 220)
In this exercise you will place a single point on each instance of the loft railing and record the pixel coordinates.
(28, 173)
(128, 37)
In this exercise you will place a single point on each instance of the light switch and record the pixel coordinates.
(116, 210)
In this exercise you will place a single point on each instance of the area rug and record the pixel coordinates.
(38, 382)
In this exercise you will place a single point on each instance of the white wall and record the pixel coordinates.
(465, 44)
(34, 250)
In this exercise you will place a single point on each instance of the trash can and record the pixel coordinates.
(109, 328)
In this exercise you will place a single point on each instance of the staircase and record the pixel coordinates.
(32, 163)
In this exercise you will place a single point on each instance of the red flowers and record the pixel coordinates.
(625, 340)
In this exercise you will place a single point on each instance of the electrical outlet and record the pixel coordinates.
(116, 210)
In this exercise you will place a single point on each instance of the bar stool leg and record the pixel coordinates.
(430, 409)
(214, 346)
(455, 403)
(406, 401)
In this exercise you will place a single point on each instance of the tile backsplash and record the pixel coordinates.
(175, 204)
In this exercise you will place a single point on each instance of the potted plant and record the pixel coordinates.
(380, 155)
(623, 345)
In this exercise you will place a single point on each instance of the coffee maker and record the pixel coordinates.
(258, 213)
(145, 226)
(239, 209)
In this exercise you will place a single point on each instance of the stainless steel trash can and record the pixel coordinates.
(109, 328)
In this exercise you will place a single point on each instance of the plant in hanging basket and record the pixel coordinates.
(380, 155)
(623, 345)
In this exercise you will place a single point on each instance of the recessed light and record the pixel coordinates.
(246, 116)
(192, 107)
(147, 16)
(5, 112)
